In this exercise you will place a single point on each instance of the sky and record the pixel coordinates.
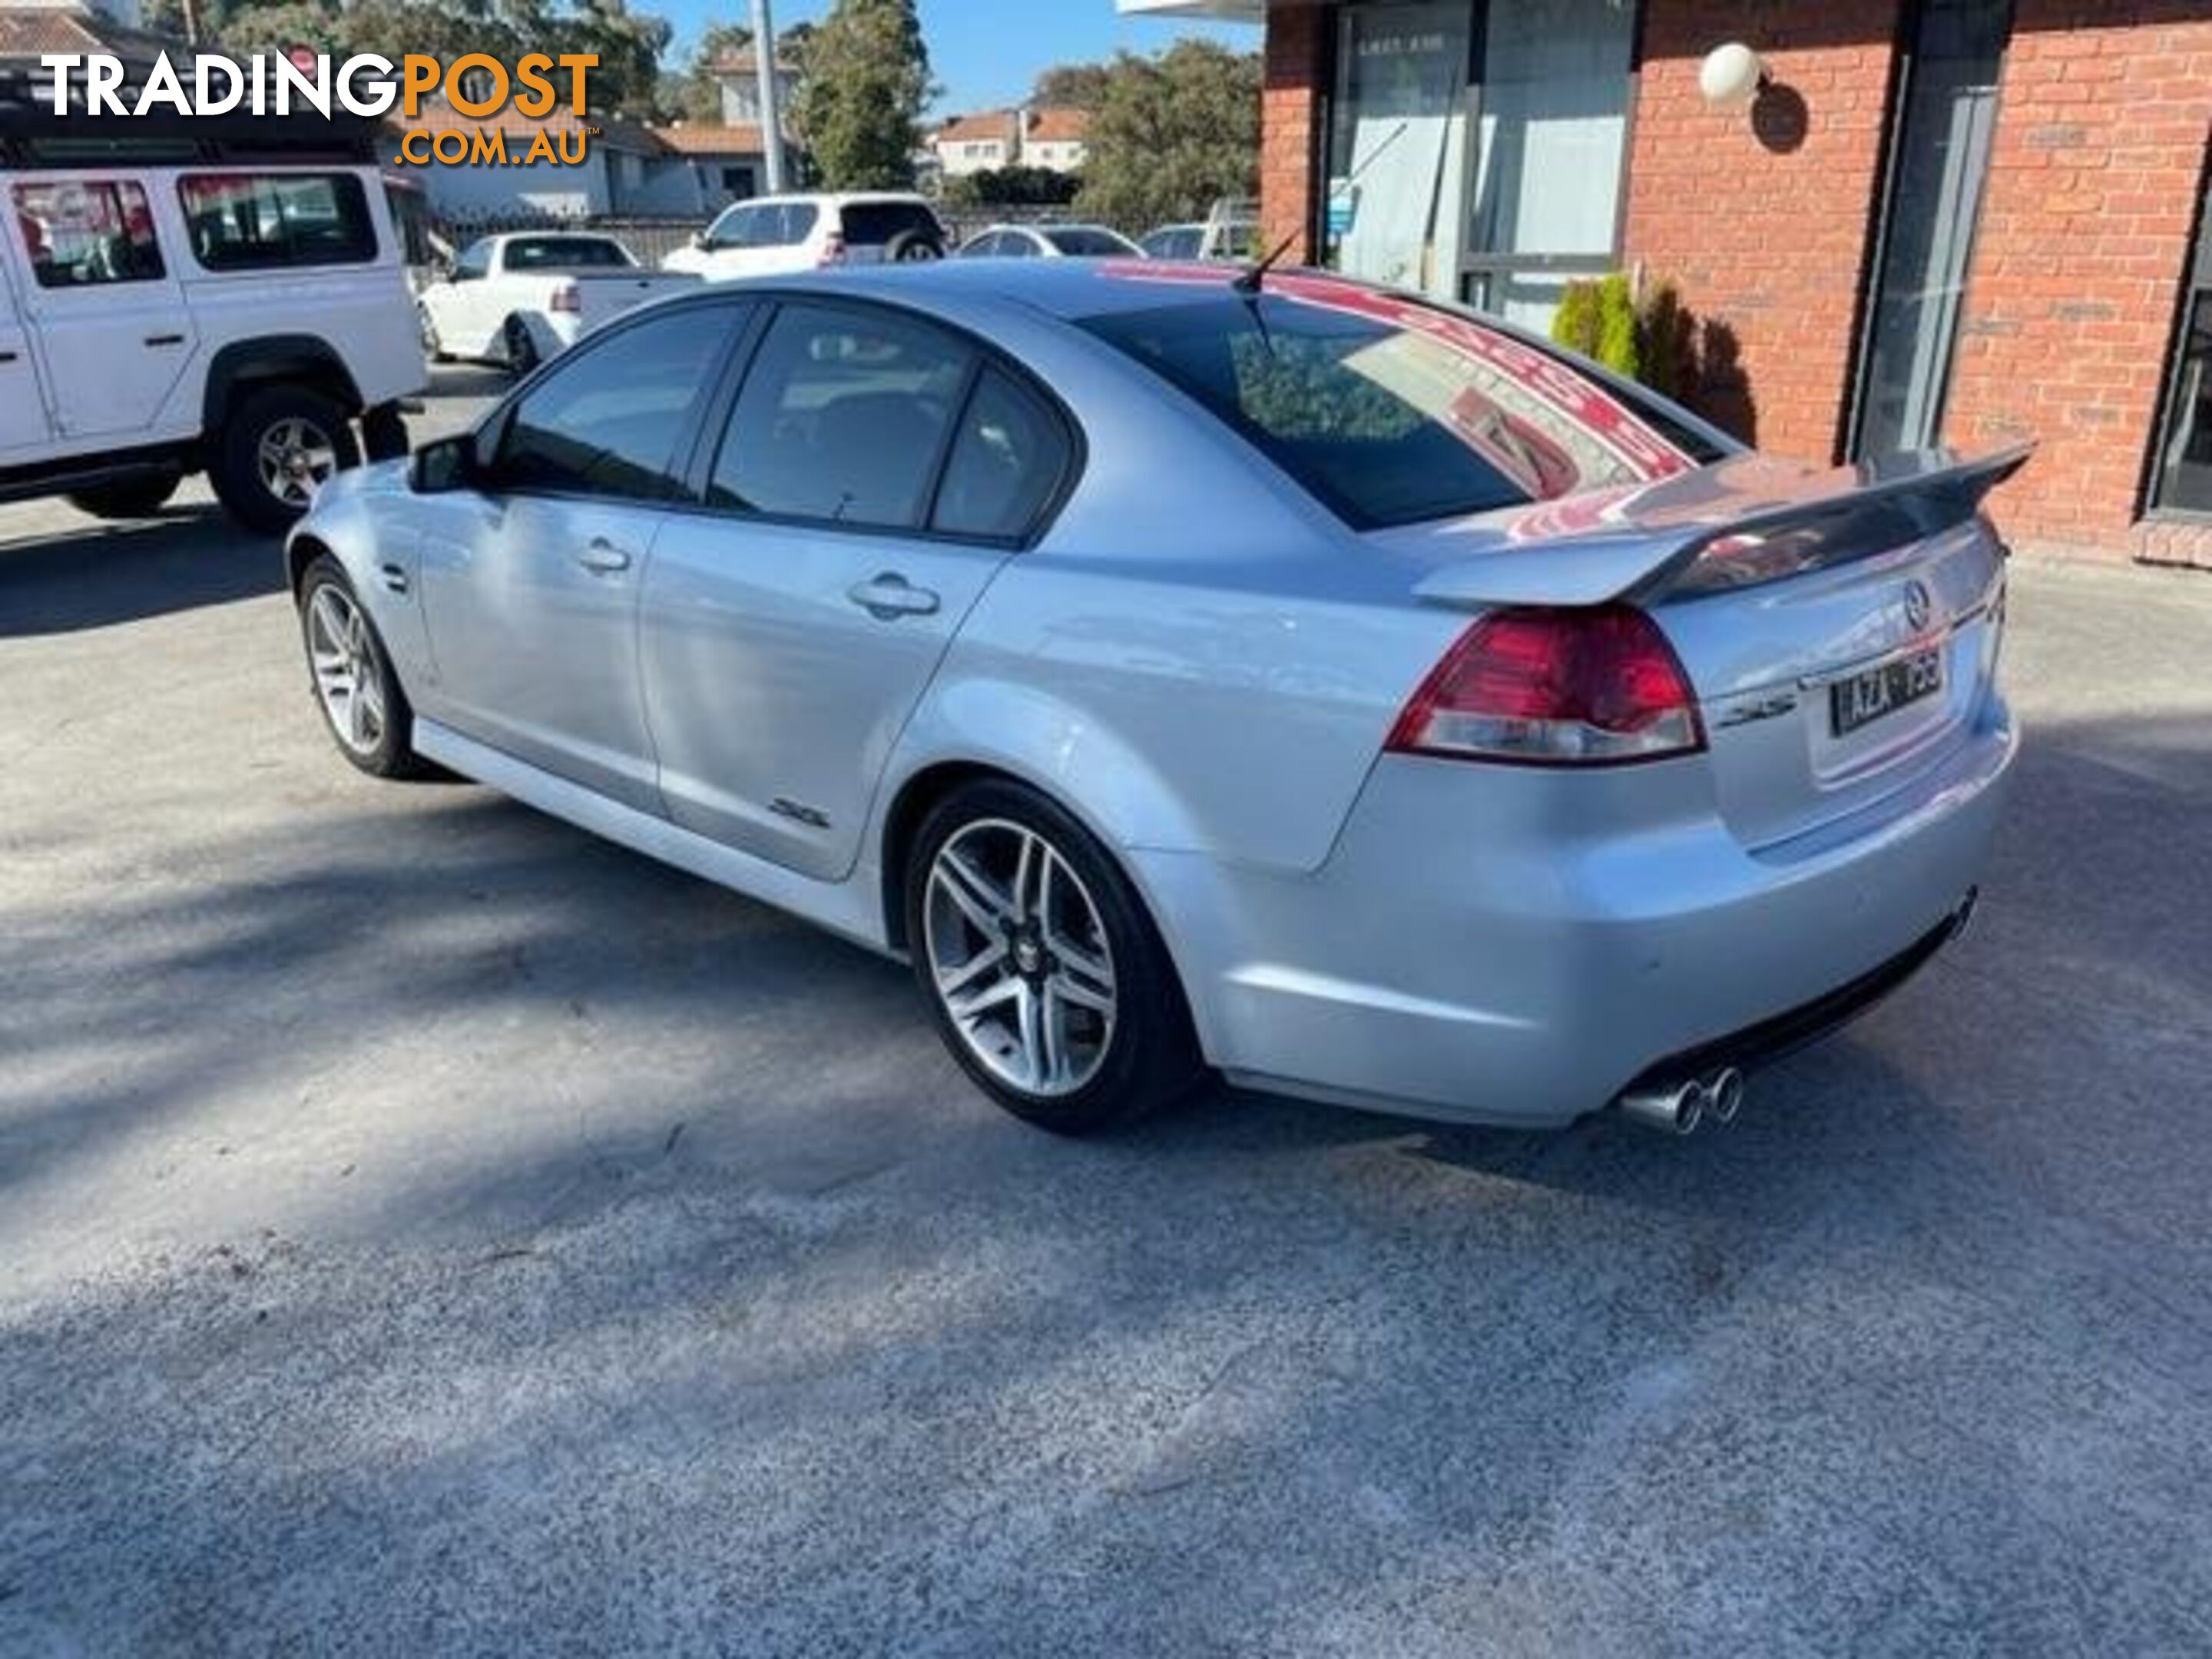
(985, 52)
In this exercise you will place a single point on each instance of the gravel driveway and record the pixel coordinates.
(425, 1229)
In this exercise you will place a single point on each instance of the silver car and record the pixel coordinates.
(1187, 671)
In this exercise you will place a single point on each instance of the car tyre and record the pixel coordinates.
(139, 497)
(350, 676)
(1045, 975)
(912, 247)
(384, 434)
(521, 347)
(276, 446)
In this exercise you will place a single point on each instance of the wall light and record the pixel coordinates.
(1731, 76)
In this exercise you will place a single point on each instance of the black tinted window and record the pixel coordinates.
(250, 222)
(1081, 242)
(616, 418)
(1393, 412)
(1007, 459)
(871, 224)
(564, 252)
(843, 418)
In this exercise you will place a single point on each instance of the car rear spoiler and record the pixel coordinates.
(1738, 523)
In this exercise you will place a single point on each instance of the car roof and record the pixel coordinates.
(1060, 288)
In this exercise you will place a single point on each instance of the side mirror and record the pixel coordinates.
(702, 241)
(448, 465)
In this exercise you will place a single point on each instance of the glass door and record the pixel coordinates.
(1940, 162)
(1555, 89)
(1397, 144)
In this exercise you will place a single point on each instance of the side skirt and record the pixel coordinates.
(852, 908)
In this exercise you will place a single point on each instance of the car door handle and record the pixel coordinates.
(889, 596)
(7, 356)
(165, 339)
(604, 557)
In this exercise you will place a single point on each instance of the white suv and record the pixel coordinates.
(237, 317)
(777, 236)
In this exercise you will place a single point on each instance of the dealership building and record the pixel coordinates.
(1897, 223)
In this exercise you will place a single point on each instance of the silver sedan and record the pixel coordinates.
(1271, 675)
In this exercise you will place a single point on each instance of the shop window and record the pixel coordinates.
(2181, 480)
(1948, 114)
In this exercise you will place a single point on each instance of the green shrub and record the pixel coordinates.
(1575, 324)
(1616, 326)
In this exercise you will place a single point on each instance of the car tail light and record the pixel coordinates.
(833, 250)
(566, 297)
(1590, 687)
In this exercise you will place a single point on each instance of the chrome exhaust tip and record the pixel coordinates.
(1675, 1111)
(1724, 1094)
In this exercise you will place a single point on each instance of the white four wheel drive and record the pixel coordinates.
(243, 313)
(782, 235)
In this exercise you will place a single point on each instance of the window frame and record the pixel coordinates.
(721, 407)
(746, 315)
(340, 180)
(2195, 283)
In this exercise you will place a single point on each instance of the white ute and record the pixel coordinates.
(520, 298)
(241, 314)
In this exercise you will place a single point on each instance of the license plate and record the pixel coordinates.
(1866, 698)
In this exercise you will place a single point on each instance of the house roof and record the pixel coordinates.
(31, 31)
(1059, 126)
(992, 126)
(745, 61)
(1053, 126)
(709, 138)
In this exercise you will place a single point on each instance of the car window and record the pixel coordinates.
(1084, 242)
(1015, 245)
(1393, 412)
(842, 417)
(1174, 244)
(788, 224)
(475, 262)
(80, 232)
(614, 418)
(871, 224)
(1007, 459)
(982, 247)
(565, 252)
(256, 220)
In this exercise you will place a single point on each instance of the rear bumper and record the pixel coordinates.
(1515, 954)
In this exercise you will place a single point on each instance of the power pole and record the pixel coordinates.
(771, 106)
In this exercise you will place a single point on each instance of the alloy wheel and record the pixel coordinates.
(294, 457)
(348, 680)
(1019, 958)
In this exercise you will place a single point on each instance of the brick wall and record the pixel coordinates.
(1761, 216)
(1290, 99)
(2084, 243)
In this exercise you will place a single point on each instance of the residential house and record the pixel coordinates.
(1049, 138)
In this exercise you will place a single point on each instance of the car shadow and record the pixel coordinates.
(104, 573)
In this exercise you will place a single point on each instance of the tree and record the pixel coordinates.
(695, 91)
(1071, 86)
(857, 109)
(1172, 135)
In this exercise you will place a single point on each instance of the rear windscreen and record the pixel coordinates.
(1081, 242)
(1391, 412)
(871, 224)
